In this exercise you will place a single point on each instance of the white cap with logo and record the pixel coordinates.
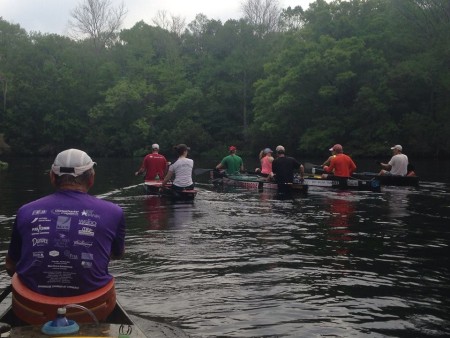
(72, 162)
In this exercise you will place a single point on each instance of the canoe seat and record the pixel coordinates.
(35, 309)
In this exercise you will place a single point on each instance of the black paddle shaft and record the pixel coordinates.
(5, 293)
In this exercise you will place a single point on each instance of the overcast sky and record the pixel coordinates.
(51, 16)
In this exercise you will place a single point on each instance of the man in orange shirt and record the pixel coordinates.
(341, 164)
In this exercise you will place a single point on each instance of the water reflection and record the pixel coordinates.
(341, 210)
(182, 214)
(398, 201)
(165, 214)
(156, 213)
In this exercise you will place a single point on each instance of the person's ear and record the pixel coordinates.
(52, 178)
(91, 180)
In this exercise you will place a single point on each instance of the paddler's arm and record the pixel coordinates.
(302, 170)
(114, 257)
(385, 166)
(167, 178)
(10, 266)
(140, 171)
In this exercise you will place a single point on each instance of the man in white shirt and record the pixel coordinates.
(398, 165)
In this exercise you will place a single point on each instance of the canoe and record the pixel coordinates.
(255, 182)
(118, 323)
(393, 180)
(155, 188)
(343, 183)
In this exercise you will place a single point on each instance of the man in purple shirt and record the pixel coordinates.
(61, 244)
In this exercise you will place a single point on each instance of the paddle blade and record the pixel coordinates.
(199, 171)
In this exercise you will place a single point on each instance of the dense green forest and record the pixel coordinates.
(364, 73)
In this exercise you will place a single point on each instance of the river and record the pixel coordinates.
(242, 263)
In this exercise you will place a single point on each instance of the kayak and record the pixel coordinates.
(343, 183)
(393, 180)
(155, 188)
(257, 183)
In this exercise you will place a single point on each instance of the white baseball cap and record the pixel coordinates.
(72, 162)
(398, 147)
(155, 146)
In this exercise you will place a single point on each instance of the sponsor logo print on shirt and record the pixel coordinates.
(38, 254)
(70, 255)
(86, 265)
(89, 213)
(39, 212)
(61, 241)
(40, 230)
(54, 253)
(41, 219)
(39, 241)
(63, 223)
(85, 231)
(87, 256)
(66, 212)
(87, 222)
(82, 243)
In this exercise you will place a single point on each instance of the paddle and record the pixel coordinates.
(5, 293)
(199, 171)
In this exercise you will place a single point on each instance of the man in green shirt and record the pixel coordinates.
(232, 163)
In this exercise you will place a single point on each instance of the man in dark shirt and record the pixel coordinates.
(283, 168)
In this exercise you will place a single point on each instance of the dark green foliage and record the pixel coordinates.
(364, 73)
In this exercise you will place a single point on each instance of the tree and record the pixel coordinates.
(174, 24)
(291, 18)
(263, 14)
(97, 20)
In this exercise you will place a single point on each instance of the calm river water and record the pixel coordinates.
(246, 264)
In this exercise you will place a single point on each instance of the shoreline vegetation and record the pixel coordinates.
(367, 74)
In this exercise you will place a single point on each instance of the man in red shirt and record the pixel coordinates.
(154, 165)
(341, 164)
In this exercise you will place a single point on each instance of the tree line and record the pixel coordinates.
(364, 73)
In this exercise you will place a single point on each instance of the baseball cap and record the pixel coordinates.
(232, 148)
(72, 162)
(337, 148)
(279, 148)
(155, 146)
(398, 147)
(268, 150)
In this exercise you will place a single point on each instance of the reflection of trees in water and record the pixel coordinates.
(341, 209)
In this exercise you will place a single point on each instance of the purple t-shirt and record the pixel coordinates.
(62, 243)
